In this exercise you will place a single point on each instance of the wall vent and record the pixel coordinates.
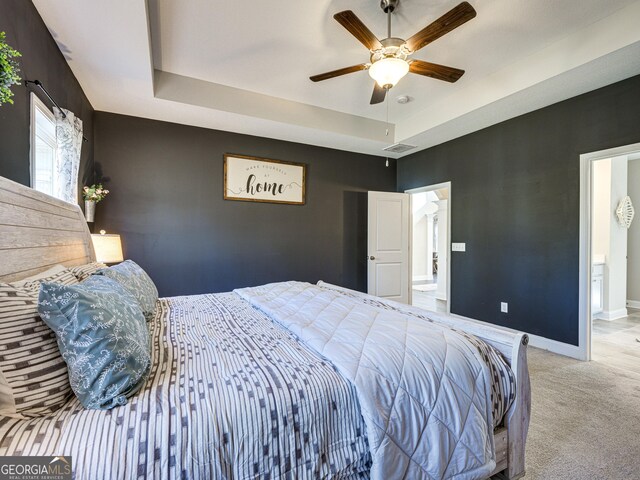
(399, 148)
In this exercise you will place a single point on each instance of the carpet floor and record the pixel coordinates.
(585, 420)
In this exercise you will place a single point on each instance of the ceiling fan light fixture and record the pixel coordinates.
(388, 71)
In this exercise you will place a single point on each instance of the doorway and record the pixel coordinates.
(609, 259)
(429, 252)
(615, 269)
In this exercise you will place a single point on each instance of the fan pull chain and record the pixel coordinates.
(386, 164)
(386, 132)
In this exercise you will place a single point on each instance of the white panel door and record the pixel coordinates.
(388, 245)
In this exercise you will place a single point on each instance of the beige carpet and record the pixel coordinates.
(585, 420)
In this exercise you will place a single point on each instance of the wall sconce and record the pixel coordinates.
(108, 248)
(625, 212)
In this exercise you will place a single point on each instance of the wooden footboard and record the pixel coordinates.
(510, 440)
(501, 438)
(517, 420)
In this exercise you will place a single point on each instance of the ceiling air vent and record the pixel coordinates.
(399, 148)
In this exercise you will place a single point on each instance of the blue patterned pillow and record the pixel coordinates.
(103, 337)
(132, 277)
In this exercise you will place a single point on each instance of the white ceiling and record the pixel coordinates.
(243, 66)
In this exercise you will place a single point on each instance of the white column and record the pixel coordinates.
(608, 236)
(443, 248)
(615, 304)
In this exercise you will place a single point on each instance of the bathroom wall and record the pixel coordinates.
(609, 238)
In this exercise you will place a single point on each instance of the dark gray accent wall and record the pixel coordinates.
(167, 203)
(515, 202)
(41, 60)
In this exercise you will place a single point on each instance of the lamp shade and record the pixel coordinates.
(388, 71)
(108, 248)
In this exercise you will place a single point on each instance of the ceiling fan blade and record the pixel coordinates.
(449, 21)
(337, 73)
(378, 94)
(351, 22)
(433, 70)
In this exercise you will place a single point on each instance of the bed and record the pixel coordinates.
(284, 380)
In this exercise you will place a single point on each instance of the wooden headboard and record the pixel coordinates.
(38, 231)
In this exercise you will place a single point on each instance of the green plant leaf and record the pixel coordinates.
(9, 70)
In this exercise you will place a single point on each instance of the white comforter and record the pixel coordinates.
(423, 390)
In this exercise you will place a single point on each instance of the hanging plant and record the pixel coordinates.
(8, 70)
(94, 193)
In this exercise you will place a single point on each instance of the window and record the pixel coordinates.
(43, 148)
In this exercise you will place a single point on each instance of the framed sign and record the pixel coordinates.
(252, 179)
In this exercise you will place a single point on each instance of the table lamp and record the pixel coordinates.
(108, 248)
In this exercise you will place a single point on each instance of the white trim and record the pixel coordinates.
(33, 100)
(410, 239)
(584, 297)
(584, 268)
(543, 343)
(612, 315)
(554, 346)
(430, 188)
(633, 303)
(38, 105)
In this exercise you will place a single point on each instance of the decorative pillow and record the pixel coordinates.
(132, 277)
(33, 375)
(103, 337)
(84, 271)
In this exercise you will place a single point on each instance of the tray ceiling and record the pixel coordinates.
(244, 66)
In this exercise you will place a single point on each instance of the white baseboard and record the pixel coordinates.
(633, 303)
(612, 315)
(554, 346)
(542, 343)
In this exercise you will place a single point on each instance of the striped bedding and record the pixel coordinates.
(231, 395)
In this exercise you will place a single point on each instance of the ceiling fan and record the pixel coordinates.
(389, 60)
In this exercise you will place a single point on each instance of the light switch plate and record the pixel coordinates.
(504, 307)
(458, 247)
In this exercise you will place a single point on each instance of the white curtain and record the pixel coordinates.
(69, 139)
